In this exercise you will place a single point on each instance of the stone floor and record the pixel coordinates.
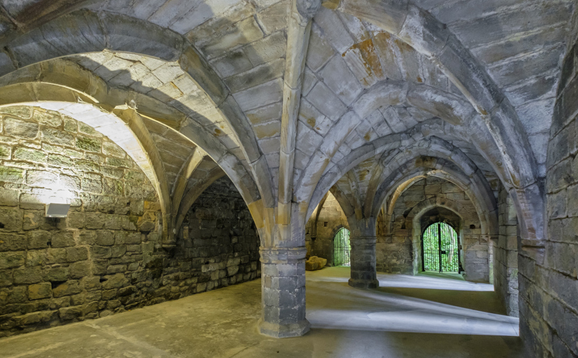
(421, 316)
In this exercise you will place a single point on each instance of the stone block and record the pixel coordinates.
(6, 278)
(27, 275)
(70, 313)
(80, 269)
(8, 197)
(116, 281)
(35, 257)
(90, 283)
(11, 175)
(340, 80)
(74, 254)
(101, 252)
(62, 239)
(56, 256)
(133, 238)
(104, 238)
(319, 51)
(118, 250)
(326, 101)
(19, 128)
(112, 269)
(12, 259)
(10, 218)
(66, 289)
(38, 291)
(232, 270)
(57, 274)
(18, 294)
(261, 95)
(92, 184)
(39, 239)
(127, 291)
(56, 136)
(77, 300)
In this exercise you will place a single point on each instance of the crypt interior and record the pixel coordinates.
(170, 168)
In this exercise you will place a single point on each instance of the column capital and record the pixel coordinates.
(273, 255)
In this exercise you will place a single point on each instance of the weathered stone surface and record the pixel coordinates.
(19, 128)
(38, 291)
(27, 275)
(472, 50)
(11, 260)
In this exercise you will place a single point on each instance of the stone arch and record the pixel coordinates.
(458, 120)
(496, 115)
(421, 167)
(426, 130)
(430, 37)
(439, 103)
(433, 147)
(417, 229)
(108, 120)
(85, 31)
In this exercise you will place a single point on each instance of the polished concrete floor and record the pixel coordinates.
(408, 316)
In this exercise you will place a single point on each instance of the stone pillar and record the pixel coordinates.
(363, 272)
(363, 240)
(283, 292)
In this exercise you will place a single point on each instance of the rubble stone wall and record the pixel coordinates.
(106, 256)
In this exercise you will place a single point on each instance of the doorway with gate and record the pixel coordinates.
(342, 248)
(440, 248)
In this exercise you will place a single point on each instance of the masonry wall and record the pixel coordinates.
(548, 281)
(397, 238)
(106, 256)
(506, 254)
(321, 229)
(219, 243)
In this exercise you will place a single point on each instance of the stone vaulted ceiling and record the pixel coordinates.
(290, 99)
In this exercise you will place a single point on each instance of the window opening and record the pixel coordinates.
(341, 248)
(440, 248)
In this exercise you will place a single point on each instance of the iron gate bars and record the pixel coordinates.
(341, 248)
(440, 248)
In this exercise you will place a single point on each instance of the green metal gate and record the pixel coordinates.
(440, 248)
(341, 248)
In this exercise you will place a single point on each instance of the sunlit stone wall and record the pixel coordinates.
(106, 256)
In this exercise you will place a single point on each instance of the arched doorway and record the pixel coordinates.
(440, 248)
(341, 248)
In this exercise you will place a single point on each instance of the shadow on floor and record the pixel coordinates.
(346, 322)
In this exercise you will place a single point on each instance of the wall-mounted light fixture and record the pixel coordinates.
(56, 210)
(57, 200)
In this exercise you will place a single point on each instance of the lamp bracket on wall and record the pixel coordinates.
(54, 210)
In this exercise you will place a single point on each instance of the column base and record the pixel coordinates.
(363, 283)
(284, 330)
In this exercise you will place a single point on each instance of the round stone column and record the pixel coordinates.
(283, 292)
(363, 271)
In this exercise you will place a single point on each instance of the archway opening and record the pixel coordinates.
(342, 248)
(440, 248)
